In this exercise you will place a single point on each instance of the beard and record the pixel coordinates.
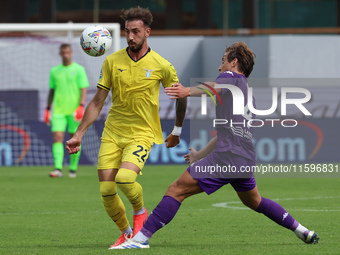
(137, 47)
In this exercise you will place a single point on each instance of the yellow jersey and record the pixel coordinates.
(135, 93)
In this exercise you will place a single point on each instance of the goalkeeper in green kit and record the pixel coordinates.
(68, 83)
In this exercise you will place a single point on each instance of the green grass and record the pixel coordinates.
(41, 215)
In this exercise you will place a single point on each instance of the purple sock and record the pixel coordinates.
(277, 213)
(161, 215)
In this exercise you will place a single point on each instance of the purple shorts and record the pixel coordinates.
(221, 168)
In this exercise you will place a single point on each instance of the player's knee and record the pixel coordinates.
(125, 176)
(108, 189)
(251, 203)
(173, 187)
(58, 137)
(126, 181)
(175, 191)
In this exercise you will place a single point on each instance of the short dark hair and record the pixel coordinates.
(244, 55)
(65, 45)
(137, 13)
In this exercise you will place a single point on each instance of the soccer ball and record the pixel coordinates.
(95, 40)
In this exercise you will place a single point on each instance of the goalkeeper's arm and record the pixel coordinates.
(83, 95)
(91, 113)
(79, 112)
(48, 107)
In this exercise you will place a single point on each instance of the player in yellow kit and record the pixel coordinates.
(133, 75)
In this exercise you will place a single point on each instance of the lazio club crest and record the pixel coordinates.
(148, 72)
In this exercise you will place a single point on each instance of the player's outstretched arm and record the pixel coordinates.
(179, 91)
(197, 155)
(91, 113)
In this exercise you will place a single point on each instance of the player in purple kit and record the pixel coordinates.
(231, 147)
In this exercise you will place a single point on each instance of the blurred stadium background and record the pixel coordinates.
(296, 43)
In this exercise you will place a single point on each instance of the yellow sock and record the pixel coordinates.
(113, 204)
(126, 181)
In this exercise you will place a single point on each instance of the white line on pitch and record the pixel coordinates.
(229, 205)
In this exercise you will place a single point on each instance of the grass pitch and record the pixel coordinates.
(41, 215)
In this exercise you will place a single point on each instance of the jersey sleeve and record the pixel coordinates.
(170, 75)
(51, 83)
(105, 76)
(225, 78)
(83, 82)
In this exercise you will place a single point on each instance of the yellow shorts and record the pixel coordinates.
(116, 149)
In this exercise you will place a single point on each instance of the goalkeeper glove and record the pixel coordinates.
(47, 115)
(79, 113)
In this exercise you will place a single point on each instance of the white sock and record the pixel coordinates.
(140, 237)
(139, 212)
(299, 232)
(127, 231)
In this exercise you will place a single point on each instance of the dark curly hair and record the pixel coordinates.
(137, 13)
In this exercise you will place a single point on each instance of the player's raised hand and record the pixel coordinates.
(177, 91)
(192, 156)
(172, 141)
(73, 145)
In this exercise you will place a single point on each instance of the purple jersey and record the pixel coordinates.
(235, 136)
